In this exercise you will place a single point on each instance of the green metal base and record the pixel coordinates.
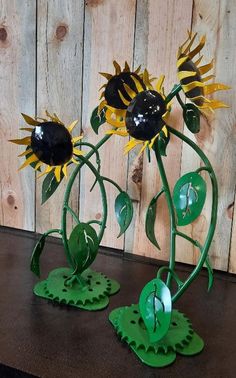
(92, 295)
(180, 337)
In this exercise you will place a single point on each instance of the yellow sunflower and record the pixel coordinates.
(134, 106)
(190, 75)
(50, 143)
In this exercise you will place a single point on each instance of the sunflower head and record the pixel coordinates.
(134, 106)
(50, 142)
(190, 75)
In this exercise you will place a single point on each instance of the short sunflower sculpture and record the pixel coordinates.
(138, 108)
(51, 144)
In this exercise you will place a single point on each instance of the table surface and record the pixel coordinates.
(47, 340)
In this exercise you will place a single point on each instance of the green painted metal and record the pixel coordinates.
(77, 285)
(189, 196)
(97, 119)
(155, 308)
(123, 211)
(90, 290)
(151, 218)
(180, 337)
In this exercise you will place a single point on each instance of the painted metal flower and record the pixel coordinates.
(190, 75)
(134, 106)
(50, 143)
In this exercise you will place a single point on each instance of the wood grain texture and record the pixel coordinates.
(232, 256)
(217, 137)
(17, 82)
(109, 31)
(59, 86)
(156, 43)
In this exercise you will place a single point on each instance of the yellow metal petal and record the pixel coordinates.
(198, 48)
(76, 139)
(123, 99)
(117, 67)
(57, 172)
(165, 131)
(214, 104)
(103, 86)
(114, 119)
(182, 60)
(180, 50)
(198, 61)
(102, 95)
(77, 152)
(131, 144)
(192, 39)
(72, 125)
(118, 112)
(201, 98)
(48, 169)
(57, 118)
(31, 121)
(106, 75)
(150, 145)
(127, 68)
(184, 74)
(146, 79)
(129, 91)
(138, 69)
(74, 161)
(192, 85)
(24, 141)
(101, 105)
(31, 159)
(137, 84)
(64, 170)
(159, 83)
(145, 144)
(117, 132)
(210, 88)
(206, 78)
(27, 129)
(26, 152)
(38, 165)
(207, 67)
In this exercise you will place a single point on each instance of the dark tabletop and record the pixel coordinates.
(46, 340)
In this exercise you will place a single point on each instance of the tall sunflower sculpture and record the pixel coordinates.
(50, 149)
(136, 107)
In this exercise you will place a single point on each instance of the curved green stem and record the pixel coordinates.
(170, 205)
(68, 191)
(176, 89)
(69, 209)
(172, 273)
(112, 182)
(52, 231)
(210, 234)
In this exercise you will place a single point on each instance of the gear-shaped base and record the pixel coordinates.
(180, 337)
(92, 295)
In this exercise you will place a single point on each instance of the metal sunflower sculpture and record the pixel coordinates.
(50, 143)
(137, 108)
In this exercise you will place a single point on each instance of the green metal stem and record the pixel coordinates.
(214, 206)
(170, 205)
(69, 209)
(176, 89)
(68, 191)
(112, 182)
(52, 231)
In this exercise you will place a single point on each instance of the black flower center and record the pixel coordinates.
(115, 84)
(197, 91)
(144, 115)
(51, 143)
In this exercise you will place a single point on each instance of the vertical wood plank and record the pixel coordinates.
(59, 86)
(217, 137)
(17, 80)
(109, 32)
(160, 28)
(232, 260)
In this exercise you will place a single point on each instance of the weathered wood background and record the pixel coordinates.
(50, 55)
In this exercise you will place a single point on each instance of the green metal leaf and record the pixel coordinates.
(97, 119)
(34, 264)
(191, 116)
(83, 245)
(150, 220)
(124, 211)
(163, 142)
(31, 121)
(189, 196)
(155, 308)
(50, 184)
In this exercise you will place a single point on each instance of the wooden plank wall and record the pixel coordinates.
(50, 54)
